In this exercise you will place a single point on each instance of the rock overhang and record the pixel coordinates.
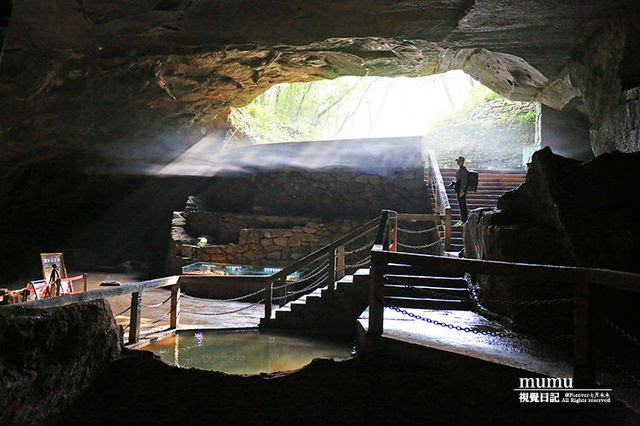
(119, 76)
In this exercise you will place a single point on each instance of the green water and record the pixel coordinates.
(245, 352)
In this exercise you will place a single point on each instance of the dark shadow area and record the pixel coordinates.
(402, 384)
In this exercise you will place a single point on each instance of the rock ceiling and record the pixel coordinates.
(118, 81)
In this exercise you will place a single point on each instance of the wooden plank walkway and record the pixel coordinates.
(526, 354)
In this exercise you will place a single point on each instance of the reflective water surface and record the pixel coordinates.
(245, 352)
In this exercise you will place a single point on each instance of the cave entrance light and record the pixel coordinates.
(453, 112)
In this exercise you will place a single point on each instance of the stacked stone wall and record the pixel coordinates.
(330, 194)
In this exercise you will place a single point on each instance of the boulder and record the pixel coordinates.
(49, 357)
(566, 213)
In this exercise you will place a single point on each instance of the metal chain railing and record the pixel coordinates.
(366, 246)
(456, 327)
(312, 274)
(420, 231)
(213, 314)
(120, 313)
(163, 317)
(533, 302)
(509, 334)
(438, 241)
(157, 304)
(309, 287)
(234, 299)
(362, 262)
(621, 331)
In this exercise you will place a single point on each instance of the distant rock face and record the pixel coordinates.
(48, 357)
(566, 213)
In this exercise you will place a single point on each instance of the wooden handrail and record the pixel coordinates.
(330, 251)
(326, 250)
(582, 278)
(101, 293)
(620, 280)
(438, 184)
(440, 197)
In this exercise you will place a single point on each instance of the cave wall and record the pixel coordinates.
(566, 132)
(98, 94)
(566, 213)
(596, 75)
(49, 357)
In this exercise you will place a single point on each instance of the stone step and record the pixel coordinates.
(417, 291)
(427, 303)
(361, 276)
(283, 314)
(429, 280)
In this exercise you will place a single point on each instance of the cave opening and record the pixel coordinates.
(451, 111)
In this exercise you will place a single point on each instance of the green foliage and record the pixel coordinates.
(298, 111)
(489, 133)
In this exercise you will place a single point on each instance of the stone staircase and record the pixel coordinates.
(324, 311)
(334, 312)
(491, 185)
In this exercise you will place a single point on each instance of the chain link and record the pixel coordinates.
(367, 246)
(235, 299)
(213, 314)
(534, 302)
(157, 320)
(118, 314)
(157, 304)
(457, 327)
(421, 231)
(621, 331)
(420, 247)
(314, 273)
(512, 335)
(293, 293)
(363, 262)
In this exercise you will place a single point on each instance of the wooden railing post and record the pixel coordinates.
(134, 318)
(84, 276)
(393, 231)
(331, 272)
(174, 318)
(583, 366)
(339, 263)
(268, 300)
(282, 291)
(447, 229)
(376, 299)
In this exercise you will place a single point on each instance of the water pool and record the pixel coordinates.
(245, 352)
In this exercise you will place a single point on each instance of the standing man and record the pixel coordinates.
(460, 185)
